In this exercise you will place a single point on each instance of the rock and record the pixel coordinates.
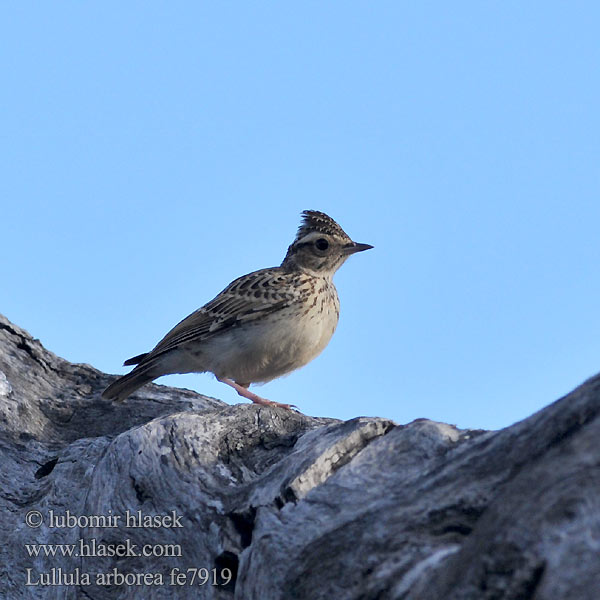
(259, 503)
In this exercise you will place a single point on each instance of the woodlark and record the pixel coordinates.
(262, 325)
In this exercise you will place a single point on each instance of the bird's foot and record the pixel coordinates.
(258, 400)
(246, 393)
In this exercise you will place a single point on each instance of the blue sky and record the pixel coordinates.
(154, 151)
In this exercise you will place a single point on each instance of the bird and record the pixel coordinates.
(263, 325)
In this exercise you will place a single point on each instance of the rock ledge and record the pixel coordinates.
(275, 505)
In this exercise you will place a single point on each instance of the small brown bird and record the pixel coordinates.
(262, 325)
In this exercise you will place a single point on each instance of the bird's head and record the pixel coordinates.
(321, 245)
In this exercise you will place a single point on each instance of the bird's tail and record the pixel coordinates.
(125, 386)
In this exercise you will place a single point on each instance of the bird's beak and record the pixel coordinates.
(353, 247)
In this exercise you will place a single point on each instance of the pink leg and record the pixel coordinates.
(246, 393)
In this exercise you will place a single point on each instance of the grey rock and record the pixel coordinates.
(292, 507)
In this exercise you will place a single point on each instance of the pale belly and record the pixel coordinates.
(261, 351)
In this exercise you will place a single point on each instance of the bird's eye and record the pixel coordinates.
(322, 244)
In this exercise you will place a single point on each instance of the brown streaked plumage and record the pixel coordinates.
(262, 325)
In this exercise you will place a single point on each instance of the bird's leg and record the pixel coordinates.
(243, 391)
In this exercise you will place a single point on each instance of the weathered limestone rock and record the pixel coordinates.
(270, 504)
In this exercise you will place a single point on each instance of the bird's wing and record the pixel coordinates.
(251, 297)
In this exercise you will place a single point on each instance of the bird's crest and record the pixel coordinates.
(316, 221)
